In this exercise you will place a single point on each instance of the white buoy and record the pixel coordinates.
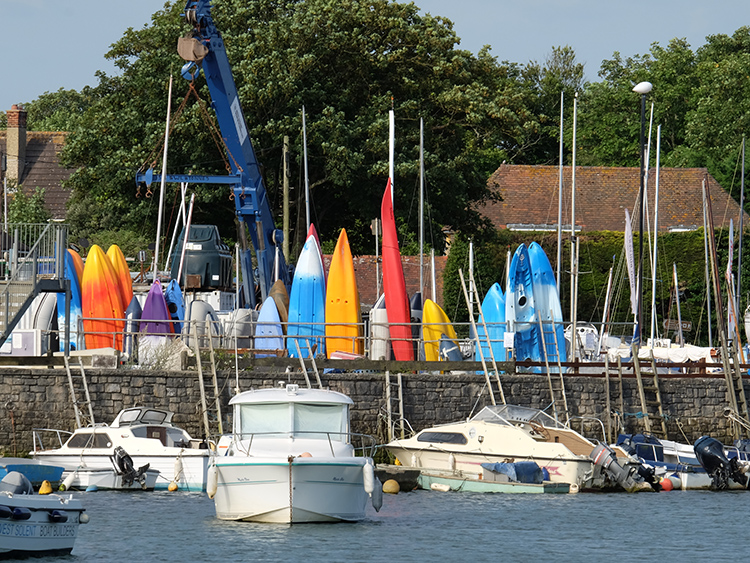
(368, 475)
(212, 481)
(574, 488)
(443, 488)
(377, 495)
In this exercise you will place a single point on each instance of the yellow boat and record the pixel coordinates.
(435, 323)
(344, 331)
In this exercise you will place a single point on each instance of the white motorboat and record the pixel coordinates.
(291, 459)
(501, 433)
(146, 436)
(35, 525)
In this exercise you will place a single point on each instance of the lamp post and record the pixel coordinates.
(641, 88)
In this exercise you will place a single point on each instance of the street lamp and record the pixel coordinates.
(641, 88)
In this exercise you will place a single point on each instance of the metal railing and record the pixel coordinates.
(31, 253)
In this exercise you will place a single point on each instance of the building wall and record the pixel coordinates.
(41, 399)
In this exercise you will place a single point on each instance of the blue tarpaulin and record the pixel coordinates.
(520, 471)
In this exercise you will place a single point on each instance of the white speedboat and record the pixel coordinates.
(147, 438)
(35, 525)
(501, 433)
(291, 459)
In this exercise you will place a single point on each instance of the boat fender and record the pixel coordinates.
(391, 487)
(452, 462)
(92, 489)
(45, 488)
(368, 474)
(58, 516)
(5, 512)
(212, 481)
(177, 469)
(414, 460)
(68, 482)
(574, 488)
(83, 518)
(442, 487)
(21, 513)
(377, 495)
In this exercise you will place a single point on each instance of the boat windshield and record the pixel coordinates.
(89, 440)
(301, 420)
(144, 416)
(513, 414)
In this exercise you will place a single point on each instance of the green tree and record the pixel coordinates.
(59, 111)
(560, 73)
(26, 207)
(348, 63)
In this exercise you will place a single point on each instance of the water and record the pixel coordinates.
(426, 526)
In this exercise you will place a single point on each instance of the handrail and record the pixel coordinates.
(367, 449)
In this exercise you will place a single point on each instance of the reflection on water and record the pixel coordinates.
(426, 526)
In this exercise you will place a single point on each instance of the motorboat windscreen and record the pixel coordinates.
(512, 415)
(301, 420)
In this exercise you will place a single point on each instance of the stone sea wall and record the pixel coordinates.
(35, 398)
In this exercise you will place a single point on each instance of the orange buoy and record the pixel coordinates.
(666, 484)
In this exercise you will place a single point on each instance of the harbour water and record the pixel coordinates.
(427, 526)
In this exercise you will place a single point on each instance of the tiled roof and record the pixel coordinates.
(43, 168)
(530, 197)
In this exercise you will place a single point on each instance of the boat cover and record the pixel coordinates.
(520, 471)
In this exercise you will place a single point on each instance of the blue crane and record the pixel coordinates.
(204, 49)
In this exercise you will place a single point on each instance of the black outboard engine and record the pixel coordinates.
(710, 454)
(124, 465)
(633, 479)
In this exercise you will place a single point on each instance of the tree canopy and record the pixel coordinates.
(349, 62)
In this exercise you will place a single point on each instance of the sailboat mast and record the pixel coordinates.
(573, 264)
(391, 149)
(307, 178)
(656, 238)
(708, 279)
(163, 182)
(741, 228)
(421, 207)
(560, 198)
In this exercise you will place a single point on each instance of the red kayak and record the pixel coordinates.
(394, 286)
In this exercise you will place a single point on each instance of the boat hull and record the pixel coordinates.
(108, 479)
(343, 320)
(571, 470)
(307, 303)
(193, 464)
(39, 535)
(472, 484)
(321, 489)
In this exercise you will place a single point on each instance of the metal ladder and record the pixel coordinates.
(215, 401)
(303, 367)
(389, 398)
(556, 384)
(653, 400)
(735, 388)
(79, 394)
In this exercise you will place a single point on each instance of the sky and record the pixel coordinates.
(53, 44)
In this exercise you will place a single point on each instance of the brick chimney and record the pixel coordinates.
(16, 142)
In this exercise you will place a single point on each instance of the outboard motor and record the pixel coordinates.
(710, 454)
(124, 466)
(633, 479)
